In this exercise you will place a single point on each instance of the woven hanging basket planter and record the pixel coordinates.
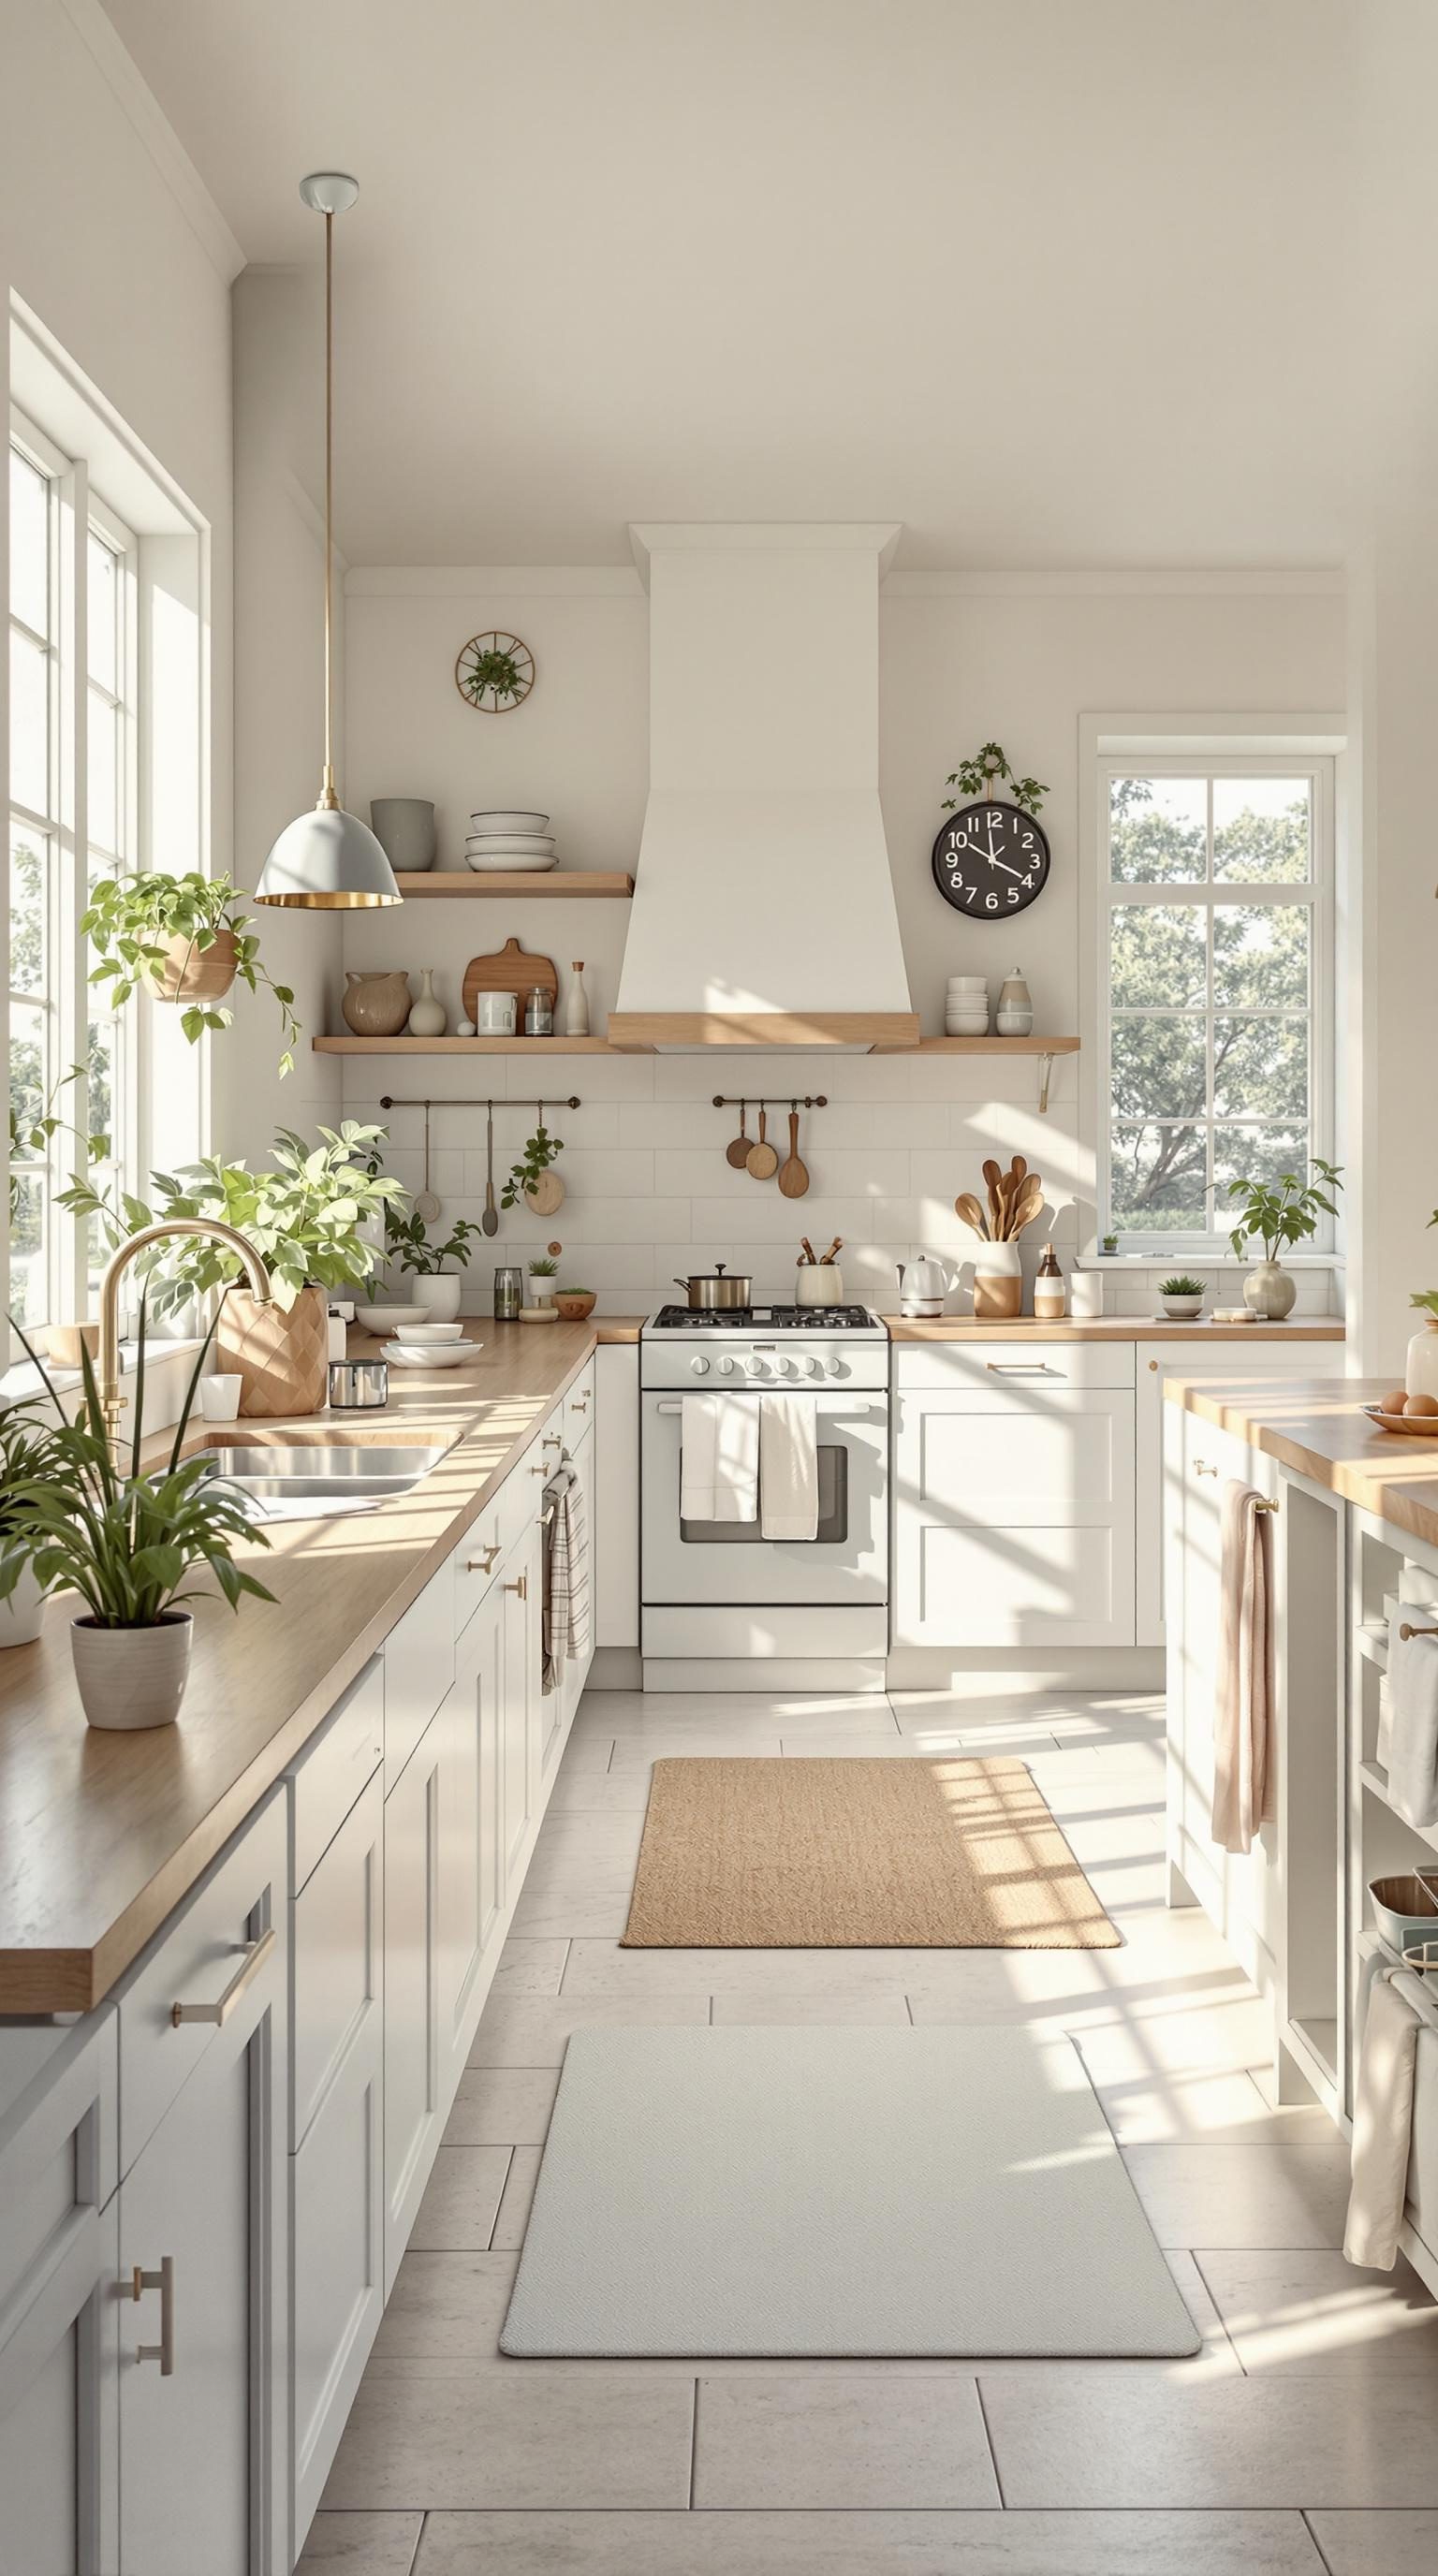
(281, 1360)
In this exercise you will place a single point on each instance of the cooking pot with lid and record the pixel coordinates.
(718, 1291)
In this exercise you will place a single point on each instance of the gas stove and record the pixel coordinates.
(763, 1320)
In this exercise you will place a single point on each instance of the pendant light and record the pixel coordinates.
(328, 860)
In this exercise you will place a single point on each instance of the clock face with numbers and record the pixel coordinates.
(991, 860)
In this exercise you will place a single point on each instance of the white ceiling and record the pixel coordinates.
(1050, 281)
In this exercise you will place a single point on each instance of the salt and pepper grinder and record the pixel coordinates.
(539, 1014)
(1050, 1290)
(576, 1006)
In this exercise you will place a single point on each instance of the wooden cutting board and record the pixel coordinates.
(515, 971)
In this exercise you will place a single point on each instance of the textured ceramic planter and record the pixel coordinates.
(1270, 1290)
(1183, 1310)
(1421, 1375)
(192, 974)
(438, 1294)
(998, 1281)
(572, 1306)
(132, 1677)
(281, 1358)
(23, 1616)
(376, 1005)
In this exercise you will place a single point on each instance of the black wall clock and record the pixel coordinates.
(991, 860)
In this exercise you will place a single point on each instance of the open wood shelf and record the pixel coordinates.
(991, 1046)
(522, 882)
(462, 1046)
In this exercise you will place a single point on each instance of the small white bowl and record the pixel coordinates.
(429, 1332)
(505, 819)
(388, 1319)
(429, 1355)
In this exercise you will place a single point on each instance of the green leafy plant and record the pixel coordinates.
(1427, 1298)
(975, 777)
(567, 1291)
(303, 1216)
(1287, 1213)
(132, 922)
(27, 1441)
(408, 1247)
(540, 1150)
(1110, 1243)
(493, 669)
(32, 1130)
(543, 1266)
(1180, 1285)
(123, 1540)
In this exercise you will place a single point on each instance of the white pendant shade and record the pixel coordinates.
(327, 859)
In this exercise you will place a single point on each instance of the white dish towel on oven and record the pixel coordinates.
(718, 1458)
(1408, 1744)
(788, 1467)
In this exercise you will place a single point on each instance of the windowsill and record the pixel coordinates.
(24, 1378)
(1161, 1260)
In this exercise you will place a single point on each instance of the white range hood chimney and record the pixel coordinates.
(763, 910)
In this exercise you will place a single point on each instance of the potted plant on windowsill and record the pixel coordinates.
(430, 1283)
(127, 1543)
(304, 1217)
(1274, 1216)
(186, 940)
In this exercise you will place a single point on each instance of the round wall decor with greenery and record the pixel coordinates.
(494, 672)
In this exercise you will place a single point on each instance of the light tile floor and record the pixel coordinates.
(1297, 2441)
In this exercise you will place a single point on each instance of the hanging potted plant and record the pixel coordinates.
(1273, 1217)
(304, 1217)
(127, 1543)
(533, 1178)
(431, 1284)
(186, 940)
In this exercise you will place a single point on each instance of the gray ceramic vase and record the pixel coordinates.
(404, 829)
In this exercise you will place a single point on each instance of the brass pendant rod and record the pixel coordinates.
(328, 797)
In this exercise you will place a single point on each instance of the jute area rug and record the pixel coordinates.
(854, 1855)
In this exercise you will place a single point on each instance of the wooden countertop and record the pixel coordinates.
(101, 1835)
(1317, 1427)
(1108, 1328)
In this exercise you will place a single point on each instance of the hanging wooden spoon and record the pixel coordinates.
(794, 1178)
(738, 1152)
(426, 1204)
(967, 1206)
(762, 1160)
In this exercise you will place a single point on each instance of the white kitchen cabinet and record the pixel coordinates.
(1157, 1361)
(576, 1670)
(1013, 1510)
(337, 2231)
(418, 1669)
(471, 1828)
(522, 1701)
(59, 2267)
(203, 2236)
(413, 2112)
(614, 1520)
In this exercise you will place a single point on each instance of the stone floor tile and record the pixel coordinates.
(531, 2441)
(536, 2030)
(461, 2200)
(1314, 2314)
(1286, 2192)
(502, 2106)
(795, 2442)
(361, 2544)
(1377, 2544)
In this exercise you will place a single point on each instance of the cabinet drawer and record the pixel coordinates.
(195, 1960)
(57, 2147)
(337, 2208)
(418, 1670)
(1017, 1364)
(333, 1769)
(579, 1407)
(334, 1954)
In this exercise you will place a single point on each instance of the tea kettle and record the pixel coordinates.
(923, 1286)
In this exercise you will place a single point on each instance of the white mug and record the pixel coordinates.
(220, 1398)
(495, 1014)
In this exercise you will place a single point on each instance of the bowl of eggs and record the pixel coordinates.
(1415, 1414)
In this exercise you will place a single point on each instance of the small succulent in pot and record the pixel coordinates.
(575, 1303)
(1182, 1296)
(126, 1541)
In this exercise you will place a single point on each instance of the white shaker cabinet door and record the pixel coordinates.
(470, 1829)
(412, 2080)
(614, 1527)
(523, 1718)
(1013, 1517)
(203, 2360)
(1157, 1361)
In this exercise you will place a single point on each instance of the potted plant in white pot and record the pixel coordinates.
(1277, 1215)
(304, 1217)
(185, 939)
(429, 1281)
(27, 1440)
(1182, 1296)
(127, 1543)
(543, 1271)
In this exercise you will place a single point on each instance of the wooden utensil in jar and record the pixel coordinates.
(794, 1178)
(967, 1206)
(762, 1160)
(737, 1153)
(1028, 1205)
(992, 1177)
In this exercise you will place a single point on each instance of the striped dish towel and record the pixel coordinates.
(566, 1574)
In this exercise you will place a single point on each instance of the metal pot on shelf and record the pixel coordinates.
(718, 1291)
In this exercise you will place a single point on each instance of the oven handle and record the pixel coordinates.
(825, 1404)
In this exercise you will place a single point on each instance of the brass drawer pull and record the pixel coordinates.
(521, 1587)
(579, 1403)
(256, 1953)
(553, 1440)
(539, 1471)
(164, 2281)
(491, 1556)
(1201, 1467)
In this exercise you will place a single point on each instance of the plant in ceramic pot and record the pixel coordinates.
(127, 1542)
(543, 1270)
(187, 940)
(431, 1283)
(305, 1217)
(1420, 1376)
(27, 1458)
(574, 1304)
(1182, 1296)
(1273, 1215)
(532, 1178)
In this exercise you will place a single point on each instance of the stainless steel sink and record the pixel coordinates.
(303, 1484)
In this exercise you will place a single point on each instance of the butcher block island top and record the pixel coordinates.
(1318, 1427)
(101, 1835)
(1106, 1328)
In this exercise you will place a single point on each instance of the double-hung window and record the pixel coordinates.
(73, 801)
(1216, 982)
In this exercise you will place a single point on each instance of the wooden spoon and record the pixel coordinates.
(738, 1152)
(1028, 1204)
(992, 1176)
(794, 1178)
(761, 1159)
(967, 1206)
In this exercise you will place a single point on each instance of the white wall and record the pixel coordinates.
(960, 662)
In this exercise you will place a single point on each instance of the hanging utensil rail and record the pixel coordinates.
(752, 1100)
(394, 1100)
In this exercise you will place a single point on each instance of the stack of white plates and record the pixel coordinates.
(966, 1007)
(509, 840)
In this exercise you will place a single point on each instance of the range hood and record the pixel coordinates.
(763, 910)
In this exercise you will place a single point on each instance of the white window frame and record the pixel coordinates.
(1135, 760)
(75, 510)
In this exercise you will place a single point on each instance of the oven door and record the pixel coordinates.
(728, 1561)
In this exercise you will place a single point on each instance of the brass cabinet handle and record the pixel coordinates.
(256, 1953)
(490, 1555)
(164, 2281)
(539, 1471)
(579, 1403)
(552, 1440)
(1153, 1364)
(521, 1587)
(1021, 1368)
(1201, 1467)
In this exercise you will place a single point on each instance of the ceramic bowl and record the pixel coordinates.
(388, 1319)
(429, 1355)
(429, 1332)
(505, 819)
(574, 1307)
(508, 858)
(1182, 1310)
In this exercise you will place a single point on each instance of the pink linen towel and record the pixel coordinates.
(1244, 1781)
(1382, 2120)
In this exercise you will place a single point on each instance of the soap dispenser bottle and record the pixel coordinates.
(1050, 1289)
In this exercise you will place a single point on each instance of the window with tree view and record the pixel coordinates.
(1217, 918)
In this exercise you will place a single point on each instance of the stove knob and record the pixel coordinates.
(726, 1366)
(788, 1367)
(753, 1368)
(700, 1367)
(833, 1368)
(814, 1365)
